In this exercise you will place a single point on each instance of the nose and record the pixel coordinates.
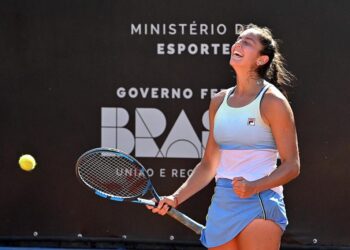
(236, 45)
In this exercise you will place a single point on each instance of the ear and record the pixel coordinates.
(262, 60)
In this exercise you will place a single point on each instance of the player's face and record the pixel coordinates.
(245, 52)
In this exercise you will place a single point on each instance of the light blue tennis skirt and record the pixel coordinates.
(228, 214)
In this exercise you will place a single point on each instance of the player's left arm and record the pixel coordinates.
(277, 113)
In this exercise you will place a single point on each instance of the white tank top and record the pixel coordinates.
(247, 146)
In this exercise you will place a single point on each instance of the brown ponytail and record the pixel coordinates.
(274, 70)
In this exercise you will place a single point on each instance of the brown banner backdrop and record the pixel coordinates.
(138, 75)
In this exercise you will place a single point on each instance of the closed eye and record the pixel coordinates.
(246, 40)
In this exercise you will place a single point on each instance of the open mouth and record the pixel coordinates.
(236, 53)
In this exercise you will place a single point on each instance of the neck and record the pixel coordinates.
(247, 84)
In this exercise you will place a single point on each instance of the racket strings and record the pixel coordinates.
(113, 174)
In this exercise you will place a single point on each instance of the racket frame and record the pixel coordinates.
(184, 219)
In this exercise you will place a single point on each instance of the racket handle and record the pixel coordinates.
(177, 215)
(187, 221)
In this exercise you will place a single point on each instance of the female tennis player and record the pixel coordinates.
(250, 124)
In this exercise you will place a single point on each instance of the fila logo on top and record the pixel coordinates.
(251, 122)
(150, 123)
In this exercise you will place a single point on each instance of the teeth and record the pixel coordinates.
(237, 53)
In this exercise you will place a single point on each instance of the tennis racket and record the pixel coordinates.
(115, 175)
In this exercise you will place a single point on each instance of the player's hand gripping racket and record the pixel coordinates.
(117, 176)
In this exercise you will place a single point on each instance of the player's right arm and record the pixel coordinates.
(204, 171)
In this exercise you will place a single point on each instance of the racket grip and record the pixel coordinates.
(187, 221)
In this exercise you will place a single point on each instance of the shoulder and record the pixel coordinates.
(219, 97)
(216, 101)
(274, 97)
(275, 104)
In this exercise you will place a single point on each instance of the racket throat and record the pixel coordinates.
(155, 194)
(145, 202)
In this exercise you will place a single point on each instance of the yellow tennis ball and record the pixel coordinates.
(27, 162)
